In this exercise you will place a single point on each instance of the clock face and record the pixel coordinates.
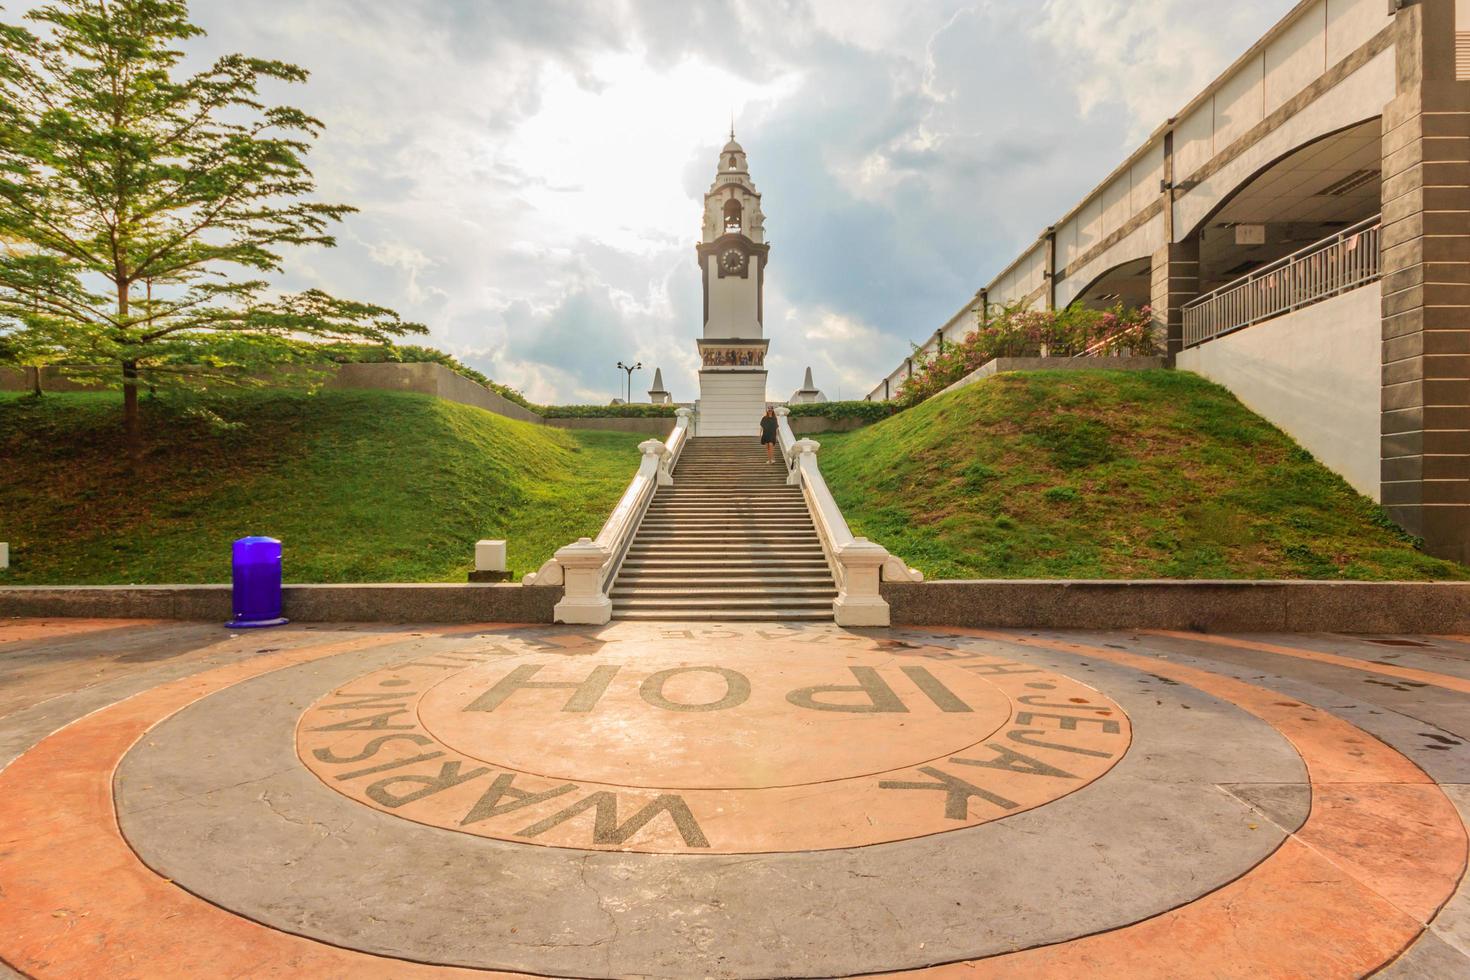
(732, 260)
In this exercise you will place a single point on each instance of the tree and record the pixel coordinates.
(151, 203)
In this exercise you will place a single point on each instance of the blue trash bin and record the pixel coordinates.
(256, 592)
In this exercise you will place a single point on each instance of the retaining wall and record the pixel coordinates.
(440, 382)
(1231, 607)
(1241, 607)
(391, 603)
(1001, 364)
(1316, 373)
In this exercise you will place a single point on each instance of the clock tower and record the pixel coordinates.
(732, 261)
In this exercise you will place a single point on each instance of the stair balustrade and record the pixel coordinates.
(587, 567)
(858, 565)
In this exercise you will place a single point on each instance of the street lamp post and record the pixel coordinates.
(630, 368)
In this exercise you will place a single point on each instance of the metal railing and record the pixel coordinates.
(1345, 261)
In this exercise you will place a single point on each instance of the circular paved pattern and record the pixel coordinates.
(1244, 833)
(693, 744)
(1155, 831)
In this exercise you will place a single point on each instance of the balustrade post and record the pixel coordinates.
(584, 602)
(860, 601)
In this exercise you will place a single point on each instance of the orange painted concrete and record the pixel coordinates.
(1382, 850)
(21, 630)
(1449, 683)
(758, 777)
(75, 900)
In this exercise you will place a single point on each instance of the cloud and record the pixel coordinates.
(530, 174)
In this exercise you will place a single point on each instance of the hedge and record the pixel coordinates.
(635, 411)
(867, 411)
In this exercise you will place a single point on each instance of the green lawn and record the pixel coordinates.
(1104, 474)
(360, 486)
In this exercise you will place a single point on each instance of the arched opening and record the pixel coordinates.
(1127, 284)
(732, 163)
(732, 215)
(1306, 196)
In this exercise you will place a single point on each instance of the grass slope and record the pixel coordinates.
(360, 486)
(1104, 474)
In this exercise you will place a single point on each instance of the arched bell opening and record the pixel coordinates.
(732, 215)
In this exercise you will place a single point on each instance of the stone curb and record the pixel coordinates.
(397, 602)
(1212, 606)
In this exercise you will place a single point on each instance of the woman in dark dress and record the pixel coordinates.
(768, 434)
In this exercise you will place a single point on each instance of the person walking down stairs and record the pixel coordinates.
(768, 434)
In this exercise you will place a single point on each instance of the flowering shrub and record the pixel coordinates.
(1018, 332)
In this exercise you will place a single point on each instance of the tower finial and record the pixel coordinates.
(732, 124)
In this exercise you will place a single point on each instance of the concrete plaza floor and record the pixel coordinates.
(693, 800)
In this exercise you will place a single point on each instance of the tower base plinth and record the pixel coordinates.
(731, 403)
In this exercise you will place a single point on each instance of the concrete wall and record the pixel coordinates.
(19, 379)
(657, 428)
(388, 603)
(1222, 607)
(734, 301)
(730, 403)
(1326, 65)
(428, 379)
(1315, 373)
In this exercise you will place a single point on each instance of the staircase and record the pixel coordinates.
(728, 541)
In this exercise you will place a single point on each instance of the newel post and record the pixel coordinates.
(800, 448)
(584, 602)
(860, 603)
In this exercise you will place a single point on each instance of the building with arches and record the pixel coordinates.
(1301, 230)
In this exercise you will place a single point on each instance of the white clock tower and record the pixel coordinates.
(732, 260)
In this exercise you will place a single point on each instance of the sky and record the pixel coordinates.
(530, 173)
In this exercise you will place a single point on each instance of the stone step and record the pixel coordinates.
(732, 616)
(663, 520)
(745, 518)
(722, 602)
(739, 534)
(753, 548)
(719, 590)
(716, 572)
(734, 566)
(725, 501)
(738, 530)
(637, 581)
(729, 506)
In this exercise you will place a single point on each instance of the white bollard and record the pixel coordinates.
(4, 555)
(489, 562)
(489, 556)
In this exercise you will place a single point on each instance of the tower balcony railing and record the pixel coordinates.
(1347, 260)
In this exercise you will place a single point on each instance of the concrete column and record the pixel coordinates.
(1050, 272)
(1174, 282)
(1426, 285)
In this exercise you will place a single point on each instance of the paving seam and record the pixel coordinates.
(1104, 655)
(1125, 657)
(131, 685)
(1335, 863)
(1318, 696)
(1111, 673)
(1325, 855)
(1446, 682)
(306, 654)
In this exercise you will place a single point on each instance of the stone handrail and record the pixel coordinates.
(588, 566)
(858, 565)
